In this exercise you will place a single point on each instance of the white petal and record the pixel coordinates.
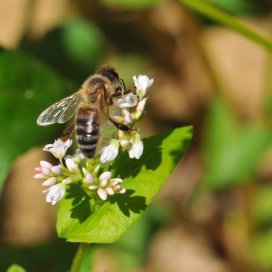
(46, 171)
(102, 193)
(93, 187)
(67, 180)
(56, 169)
(67, 144)
(58, 149)
(45, 164)
(71, 165)
(55, 193)
(39, 176)
(89, 178)
(122, 191)
(115, 181)
(39, 169)
(105, 176)
(109, 191)
(110, 152)
(49, 182)
(104, 182)
(141, 104)
(142, 83)
(124, 143)
(136, 150)
(127, 117)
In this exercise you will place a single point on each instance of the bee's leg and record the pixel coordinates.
(67, 132)
(118, 93)
(120, 126)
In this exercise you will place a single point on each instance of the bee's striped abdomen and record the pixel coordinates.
(87, 130)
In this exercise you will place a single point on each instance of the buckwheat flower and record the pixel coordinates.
(89, 179)
(56, 170)
(49, 182)
(137, 147)
(108, 186)
(58, 148)
(104, 180)
(43, 170)
(115, 186)
(57, 191)
(126, 101)
(139, 109)
(124, 138)
(142, 83)
(71, 165)
(109, 152)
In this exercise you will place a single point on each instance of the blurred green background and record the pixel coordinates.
(215, 211)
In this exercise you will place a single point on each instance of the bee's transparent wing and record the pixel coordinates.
(60, 112)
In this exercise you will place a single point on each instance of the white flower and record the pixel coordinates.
(126, 101)
(109, 152)
(137, 147)
(55, 193)
(109, 186)
(58, 148)
(49, 182)
(56, 170)
(43, 170)
(132, 142)
(139, 109)
(71, 165)
(142, 83)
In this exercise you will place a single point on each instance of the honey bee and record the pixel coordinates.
(97, 91)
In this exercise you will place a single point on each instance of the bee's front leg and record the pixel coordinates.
(118, 94)
(67, 132)
(120, 126)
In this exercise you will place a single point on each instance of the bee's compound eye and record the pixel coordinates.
(113, 76)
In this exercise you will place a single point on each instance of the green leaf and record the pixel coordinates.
(27, 88)
(77, 221)
(16, 268)
(231, 151)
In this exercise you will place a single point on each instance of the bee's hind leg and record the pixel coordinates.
(67, 132)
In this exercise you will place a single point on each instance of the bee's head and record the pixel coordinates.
(110, 73)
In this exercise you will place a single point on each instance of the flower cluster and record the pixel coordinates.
(93, 174)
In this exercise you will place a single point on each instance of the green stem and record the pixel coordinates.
(218, 15)
(79, 257)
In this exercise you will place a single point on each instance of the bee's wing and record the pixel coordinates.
(61, 111)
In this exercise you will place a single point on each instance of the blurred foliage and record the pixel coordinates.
(237, 6)
(229, 160)
(27, 87)
(73, 49)
(153, 36)
(131, 4)
(52, 256)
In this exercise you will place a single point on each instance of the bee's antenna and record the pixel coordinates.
(123, 84)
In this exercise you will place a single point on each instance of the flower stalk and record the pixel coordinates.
(77, 261)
